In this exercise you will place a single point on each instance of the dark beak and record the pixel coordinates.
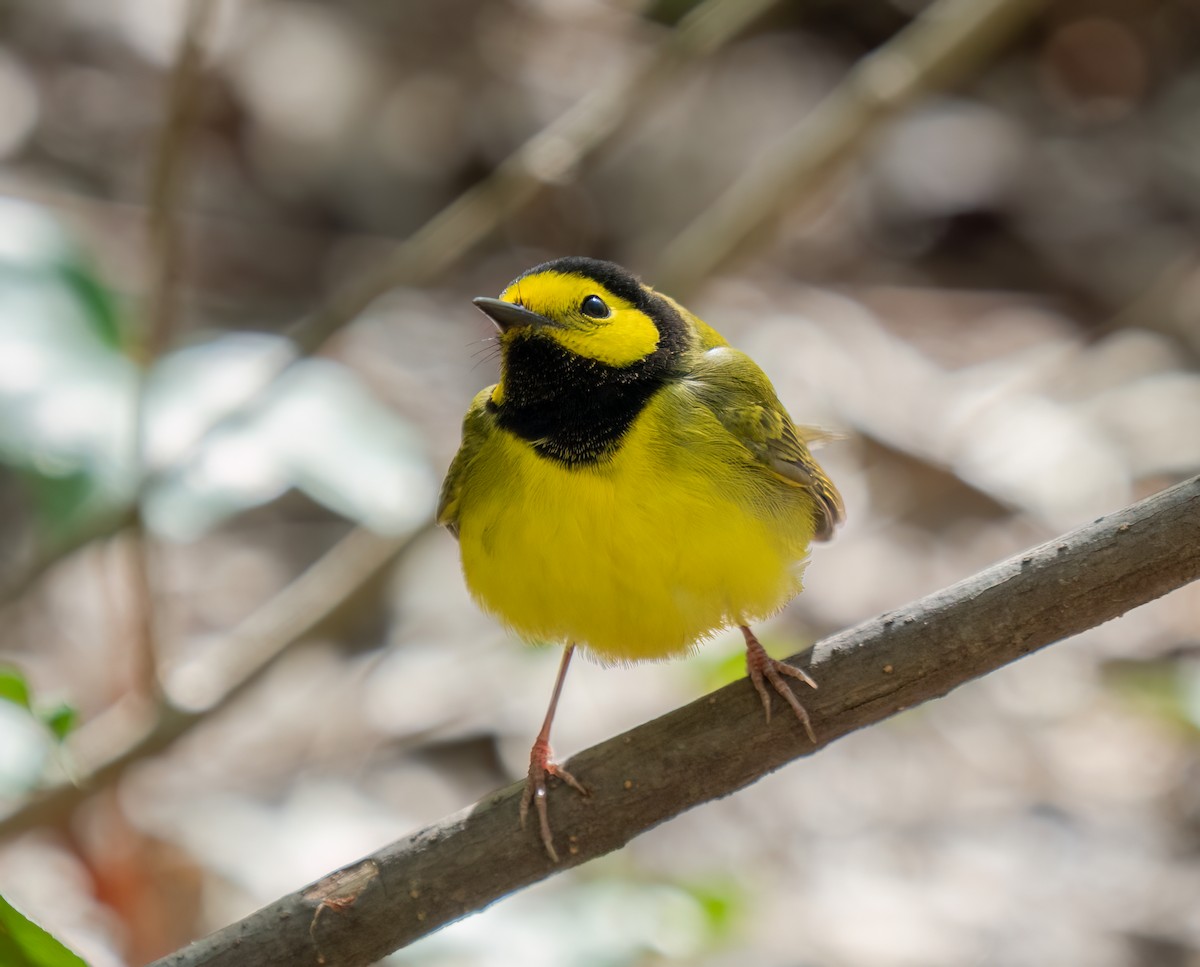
(508, 316)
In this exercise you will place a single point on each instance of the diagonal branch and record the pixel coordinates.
(944, 44)
(232, 667)
(719, 744)
(550, 156)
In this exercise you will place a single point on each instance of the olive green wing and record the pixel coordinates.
(477, 426)
(739, 394)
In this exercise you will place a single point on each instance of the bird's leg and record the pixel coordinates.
(541, 765)
(759, 665)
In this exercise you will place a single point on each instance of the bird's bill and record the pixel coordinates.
(507, 316)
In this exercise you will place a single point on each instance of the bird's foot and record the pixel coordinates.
(760, 665)
(542, 766)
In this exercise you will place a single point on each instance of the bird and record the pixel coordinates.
(631, 486)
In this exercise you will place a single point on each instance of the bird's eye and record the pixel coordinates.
(594, 306)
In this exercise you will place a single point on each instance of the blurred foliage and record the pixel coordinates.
(14, 688)
(64, 384)
(29, 732)
(1166, 688)
(69, 396)
(614, 917)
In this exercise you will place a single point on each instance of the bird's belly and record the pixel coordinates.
(636, 561)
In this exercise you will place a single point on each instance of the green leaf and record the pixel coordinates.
(60, 720)
(100, 308)
(723, 903)
(14, 688)
(24, 944)
(61, 503)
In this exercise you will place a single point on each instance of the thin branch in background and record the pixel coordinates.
(719, 743)
(165, 255)
(942, 46)
(228, 671)
(13, 593)
(1162, 306)
(168, 175)
(550, 157)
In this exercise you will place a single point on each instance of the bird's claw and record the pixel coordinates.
(760, 665)
(540, 767)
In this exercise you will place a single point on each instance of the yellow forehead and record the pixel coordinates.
(555, 295)
(624, 337)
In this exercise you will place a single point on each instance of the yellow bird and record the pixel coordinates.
(630, 486)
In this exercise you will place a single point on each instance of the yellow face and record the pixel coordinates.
(586, 318)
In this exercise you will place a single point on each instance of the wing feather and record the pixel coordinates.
(477, 424)
(739, 394)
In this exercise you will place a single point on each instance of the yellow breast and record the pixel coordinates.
(680, 534)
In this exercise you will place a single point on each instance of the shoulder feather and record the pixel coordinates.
(477, 425)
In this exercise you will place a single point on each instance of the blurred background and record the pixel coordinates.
(236, 344)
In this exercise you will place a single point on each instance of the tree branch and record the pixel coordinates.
(168, 173)
(937, 49)
(719, 743)
(230, 669)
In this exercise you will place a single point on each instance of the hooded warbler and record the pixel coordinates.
(630, 486)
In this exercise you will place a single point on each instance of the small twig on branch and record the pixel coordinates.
(719, 744)
(937, 49)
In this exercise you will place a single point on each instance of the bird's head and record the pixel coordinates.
(581, 340)
(592, 310)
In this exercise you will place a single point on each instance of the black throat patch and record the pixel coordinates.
(576, 410)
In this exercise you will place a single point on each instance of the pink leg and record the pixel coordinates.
(541, 765)
(759, 665)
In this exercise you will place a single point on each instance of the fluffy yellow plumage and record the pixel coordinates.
(631, 485)
(639, 559)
